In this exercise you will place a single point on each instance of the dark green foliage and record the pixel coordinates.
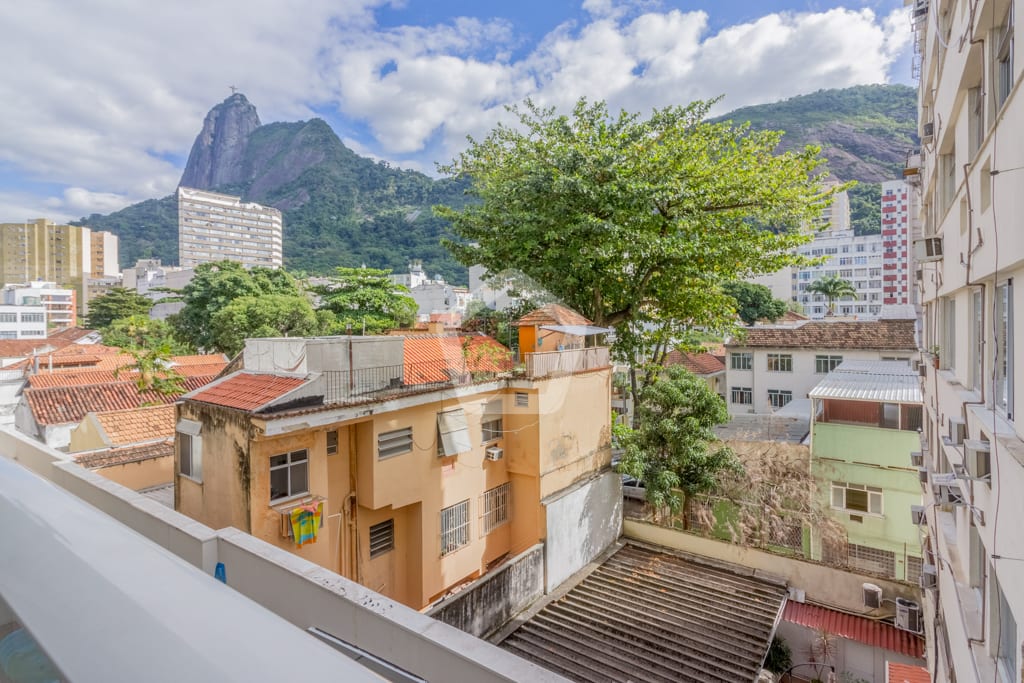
(832, 287)
(142, 332)
(866, 208)
(754, 302)
(117, 303)
(266, 315)
(148, 229)
(780, 656)
(365, 301)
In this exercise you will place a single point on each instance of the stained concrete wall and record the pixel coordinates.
(491, 602)
(581, 522)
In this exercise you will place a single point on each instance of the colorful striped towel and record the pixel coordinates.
(306, 522)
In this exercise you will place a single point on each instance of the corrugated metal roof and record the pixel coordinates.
(877, 381)
(863, 630)
(654, 616)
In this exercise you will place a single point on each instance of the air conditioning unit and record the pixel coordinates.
(917, 515)
(927, 131)
(922, 475)
(916, 459)
(919, 275)
(929, 577)
(922, 370)
(908, 615)
(797, 594)
(957, 431)
(928, 249)
(977, 458)
(949, 494)
(872, 596)
(494, 453)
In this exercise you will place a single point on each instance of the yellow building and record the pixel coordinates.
(428, 460)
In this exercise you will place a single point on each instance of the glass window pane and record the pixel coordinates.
(857, 500)
(278, 460)
(837, 497)
(299, 456)
(300, 478)
(279, 483)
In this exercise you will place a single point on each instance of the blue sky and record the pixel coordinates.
(105, 115)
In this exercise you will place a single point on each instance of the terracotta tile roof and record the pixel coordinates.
(815, 334)
(863, 630)
(86, 350)
(792, 317)
(435, 358)
(906, 673)
(62, 405)
(205, 359)
(697, 363)
(137, 425)
(126, 454)
(248, 391)
(68, 377)
(17, 348)
(69, 334)
(553, 314)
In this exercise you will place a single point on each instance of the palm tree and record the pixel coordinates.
(832, 287)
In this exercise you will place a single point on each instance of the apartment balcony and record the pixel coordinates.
(567, 362)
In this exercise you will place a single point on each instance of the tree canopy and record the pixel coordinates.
(754, 302)
(269, 315)
(672, 449)
(832, 287)
(142, 332)
(117, 303)
(366, 301)
(635, 221)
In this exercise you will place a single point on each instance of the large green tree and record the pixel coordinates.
(366, 301)
(635, 222)
(832, 287)
(754, 302)
(216, 285)
(674, 450)
(117, 303)
(143, 332)
(269, 315)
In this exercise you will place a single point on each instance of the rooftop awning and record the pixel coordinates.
(577, 330)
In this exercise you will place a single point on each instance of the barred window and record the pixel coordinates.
(394, 443)
(382, 538)
(780, 362)
(873, 560)
(742, 361)
(826, 364)
(454, 527)
(742, 395)
(778, 397)
(332, 442)
(494, 511)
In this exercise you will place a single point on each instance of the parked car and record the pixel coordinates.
(633, 488)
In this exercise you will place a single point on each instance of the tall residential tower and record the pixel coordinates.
(214, 227)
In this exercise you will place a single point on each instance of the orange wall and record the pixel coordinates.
(142, 474)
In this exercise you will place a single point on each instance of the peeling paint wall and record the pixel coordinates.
(581, 523)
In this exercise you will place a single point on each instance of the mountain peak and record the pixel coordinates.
(216, 156)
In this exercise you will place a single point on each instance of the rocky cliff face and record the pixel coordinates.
(217, 154)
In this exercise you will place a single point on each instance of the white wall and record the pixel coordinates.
(581, 523)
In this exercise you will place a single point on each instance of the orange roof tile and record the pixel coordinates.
(697, 363)
(62, 405)
(137, 425)
(69, 334)
(86, 350)
(907, 673)
(553, 314)
(16, 348)
(203, 359)
(436, 358)
(108, 457)
(247, 391)
(863, 630)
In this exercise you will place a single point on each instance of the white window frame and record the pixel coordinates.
(741, 392)
(492, 426)
(780, 362)
(454, 526)
(188, 432)
(292, 461)
(827, 361)
(873, 494)
(779, 398)
(494, 508)
(741, 360)
(1002, 358)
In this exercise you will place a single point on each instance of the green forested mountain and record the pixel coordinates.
(341, 209)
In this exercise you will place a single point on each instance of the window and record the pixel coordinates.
(947, 179)
(856, 498)
(1006, 640)
(977, 339)
(742, 361)
(190, 449)
(826, 364)
(1003, 357)
(454, 527)
(31, 317)
(522, 399)
(452, 433)
(332, 442)
(382, 538)
(495, 507)
(1003, 52)
(975, 120)
(742, 395)
(778, 398)
(913, 570)
(948, 350)
(491, 424)
(8, 317)
(872, 560)
(390, 444)
(289, 475)
(780, 362)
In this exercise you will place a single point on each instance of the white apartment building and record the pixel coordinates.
(856, 258)
(149, 278)
(969, 187)
(22, 322)
(59, 303)
(770, 365)
(213, 227)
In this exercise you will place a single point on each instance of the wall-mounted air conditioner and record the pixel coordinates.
(908, 615)
(957, 431)
(494, 453)
(928, 249)
(872, 596)
(919, 275)
(927, 131)
(922, 369)
(949, 495)
(929, 577)
(922, 475)
(917, 515)
(916, 459)
(977, 458)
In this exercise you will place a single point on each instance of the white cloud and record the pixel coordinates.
(111, 99)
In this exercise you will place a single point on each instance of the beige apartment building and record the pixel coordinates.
(213, 227)
(427, 459)
(967, 185)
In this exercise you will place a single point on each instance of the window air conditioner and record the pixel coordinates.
(872, 596)
(977, 458)
(922, 370)
(957, 431)
(919, 275)
(929, 577)
(494, 453)
(949, 494)
(922, 475)
(908, 615)
(927, 131)
(917, 515)
(916, 459)
(928, 249)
